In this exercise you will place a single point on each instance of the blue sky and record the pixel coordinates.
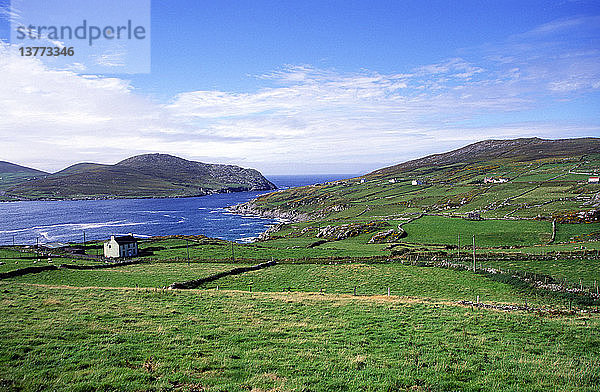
(217, 45)
(315, 86)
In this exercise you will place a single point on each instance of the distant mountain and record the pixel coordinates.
(11, 174)
(524, 149)
(149, 175)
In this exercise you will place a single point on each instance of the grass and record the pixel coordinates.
(137, 275)
(375, 279)
(12, 259)
(577, 232)
(573, 270)
(13, 264)
(292, 248)
(132, 340)
(488, 233)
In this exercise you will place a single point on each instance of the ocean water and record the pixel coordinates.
(66, 221)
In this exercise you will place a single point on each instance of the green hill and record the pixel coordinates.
(523, 150)
(11, 174)
(150, 175)
(506, 185)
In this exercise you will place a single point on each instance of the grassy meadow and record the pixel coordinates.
(290, 327)
(57, 338)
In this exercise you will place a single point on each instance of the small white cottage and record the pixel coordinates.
(125, 246)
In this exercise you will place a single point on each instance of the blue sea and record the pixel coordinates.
(52, 222)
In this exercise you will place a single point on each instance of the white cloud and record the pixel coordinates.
(310, 116)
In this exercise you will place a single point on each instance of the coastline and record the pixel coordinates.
(250, 209)
(137, 197)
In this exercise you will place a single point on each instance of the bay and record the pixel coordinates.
(49, 222)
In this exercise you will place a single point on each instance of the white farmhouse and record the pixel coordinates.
(125, 246)
(491, 180)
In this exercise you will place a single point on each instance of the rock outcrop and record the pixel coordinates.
(336, 233)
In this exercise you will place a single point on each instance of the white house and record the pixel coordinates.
(125, 246)
(594, 180)
(491, 180)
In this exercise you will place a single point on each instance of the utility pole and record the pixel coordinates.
(459, 245)
(232, 252)
(13, 240)
(84, 241)
(187, 248)
(474, 265)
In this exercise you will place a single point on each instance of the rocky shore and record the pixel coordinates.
(251, 209)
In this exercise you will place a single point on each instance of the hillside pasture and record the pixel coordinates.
(488, 233)
(132, 340)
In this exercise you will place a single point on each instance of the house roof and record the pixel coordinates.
(127, 239)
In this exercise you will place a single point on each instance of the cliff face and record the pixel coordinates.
(149, 175)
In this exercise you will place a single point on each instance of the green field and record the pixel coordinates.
(488, 233)
(152, 275)
(375, 279)
(132, 340)
(293, 248)
(12, 260)
(368, 279)
(290, 327)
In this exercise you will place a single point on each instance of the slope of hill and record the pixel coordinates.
(511, 180)
(11, 174)
(150, 175)
(524, 149)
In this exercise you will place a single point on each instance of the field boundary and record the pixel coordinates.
(27, 270)
(99, 266)
(192, 284)
(34, 270)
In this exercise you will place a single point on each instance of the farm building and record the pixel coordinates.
(417, 182)
(125, 246)
(491, 180)
(594, 180)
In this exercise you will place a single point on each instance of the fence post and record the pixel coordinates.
(474, 263)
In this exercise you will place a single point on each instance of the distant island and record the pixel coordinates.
(141, 176)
